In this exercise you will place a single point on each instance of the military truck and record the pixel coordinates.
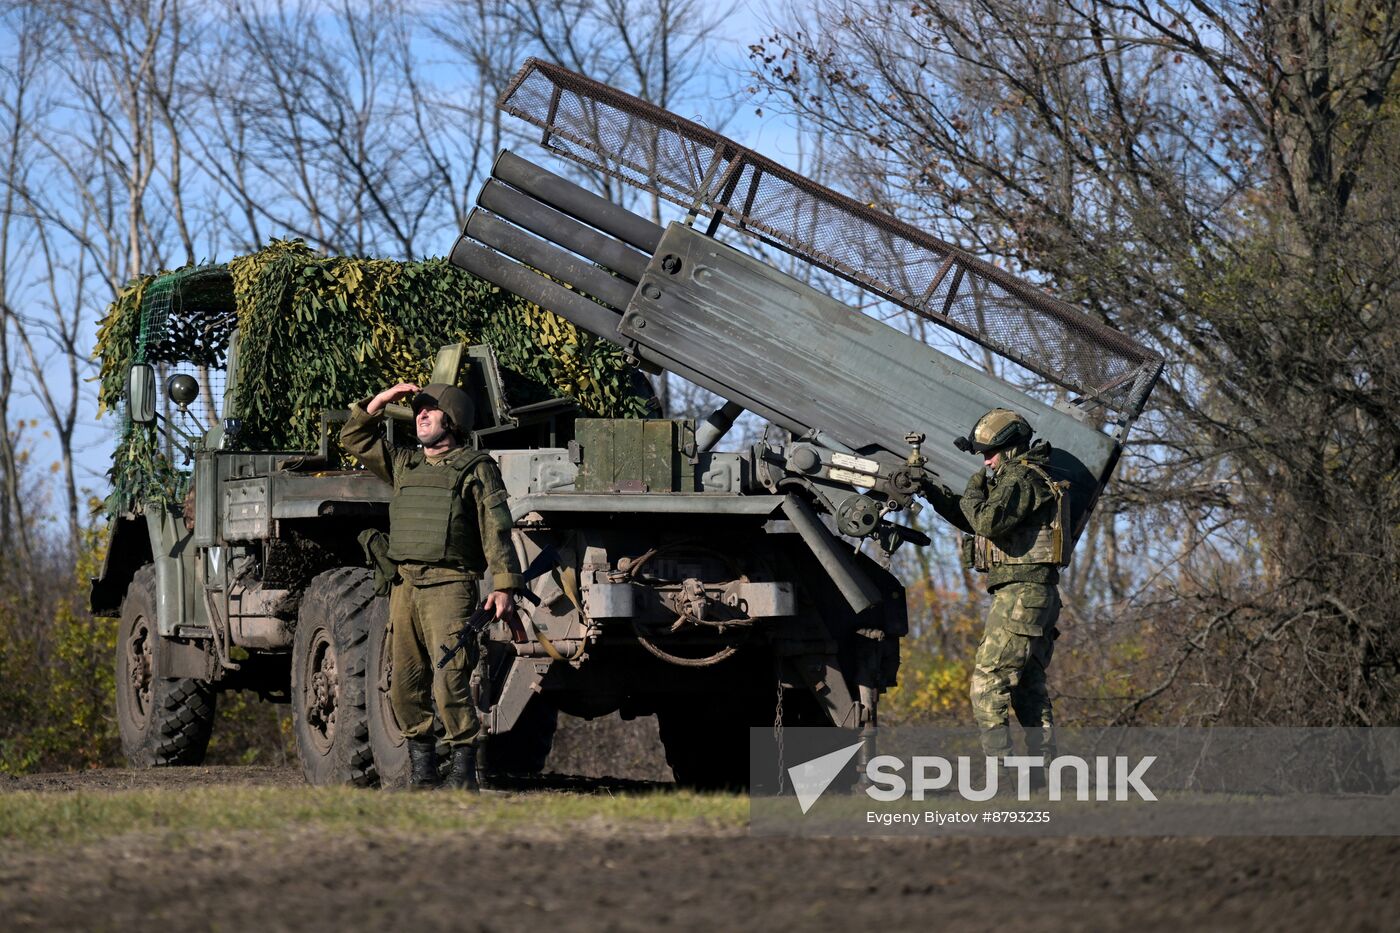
(716, 590)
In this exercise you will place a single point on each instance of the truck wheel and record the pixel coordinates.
(329, 659)
(162, 720)
(526, 747)
(389, 747)
(706, 749)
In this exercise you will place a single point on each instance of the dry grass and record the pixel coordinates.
(42, 820)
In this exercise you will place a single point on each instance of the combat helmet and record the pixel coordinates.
(453, 402)
(997, 430)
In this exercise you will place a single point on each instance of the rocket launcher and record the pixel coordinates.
(872, 411)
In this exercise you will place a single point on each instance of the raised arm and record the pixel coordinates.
(362, 436)
(947, 504)
(994, 509)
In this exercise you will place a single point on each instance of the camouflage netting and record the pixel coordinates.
(318, 333)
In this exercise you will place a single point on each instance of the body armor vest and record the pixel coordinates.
(430, 520)
(1040, 543)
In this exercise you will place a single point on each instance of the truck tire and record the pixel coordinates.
(526, 747)
(387, 744)
(329, 659)
(162, 720)
(706, 749)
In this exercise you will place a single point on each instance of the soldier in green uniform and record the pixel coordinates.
(1015, 522)
(448, 525)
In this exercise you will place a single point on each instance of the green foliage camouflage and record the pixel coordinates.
(56, 665)
(57, 671)
(317, 333)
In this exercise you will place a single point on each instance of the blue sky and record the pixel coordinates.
(724, 96)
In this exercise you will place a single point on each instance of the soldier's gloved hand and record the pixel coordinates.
(939, 494)
(976, 486)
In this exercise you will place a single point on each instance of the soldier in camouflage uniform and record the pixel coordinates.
(448, 525)
(1015, 523)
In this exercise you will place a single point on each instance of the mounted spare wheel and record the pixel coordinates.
(162, 720)
(329, 660)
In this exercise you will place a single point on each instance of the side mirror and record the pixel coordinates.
(141, 393)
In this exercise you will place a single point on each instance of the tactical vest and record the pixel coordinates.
(430, 521)
(1041, 543)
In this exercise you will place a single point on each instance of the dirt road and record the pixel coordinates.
(596, 876)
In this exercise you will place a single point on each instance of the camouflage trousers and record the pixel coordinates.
(1009, 671)
(421, 620)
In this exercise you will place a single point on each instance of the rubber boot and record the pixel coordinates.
(463, 773)
(423, 763)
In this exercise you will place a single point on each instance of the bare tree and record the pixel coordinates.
(1212, 177)
(317, 123)
(52, 333)
(662, 51)
(112, 147)
(20, 106)
(101, 195)
(487, 50)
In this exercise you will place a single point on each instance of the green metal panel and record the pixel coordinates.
(595, 448)
(206, 499)
(176, 586)
(803, 360)
(662, 503)
(627, 463)
(247, 509)
(658, 455)
(631, 455)
(447, 365)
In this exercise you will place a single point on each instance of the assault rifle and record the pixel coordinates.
(482, 617)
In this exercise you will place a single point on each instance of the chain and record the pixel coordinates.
(778, 737)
